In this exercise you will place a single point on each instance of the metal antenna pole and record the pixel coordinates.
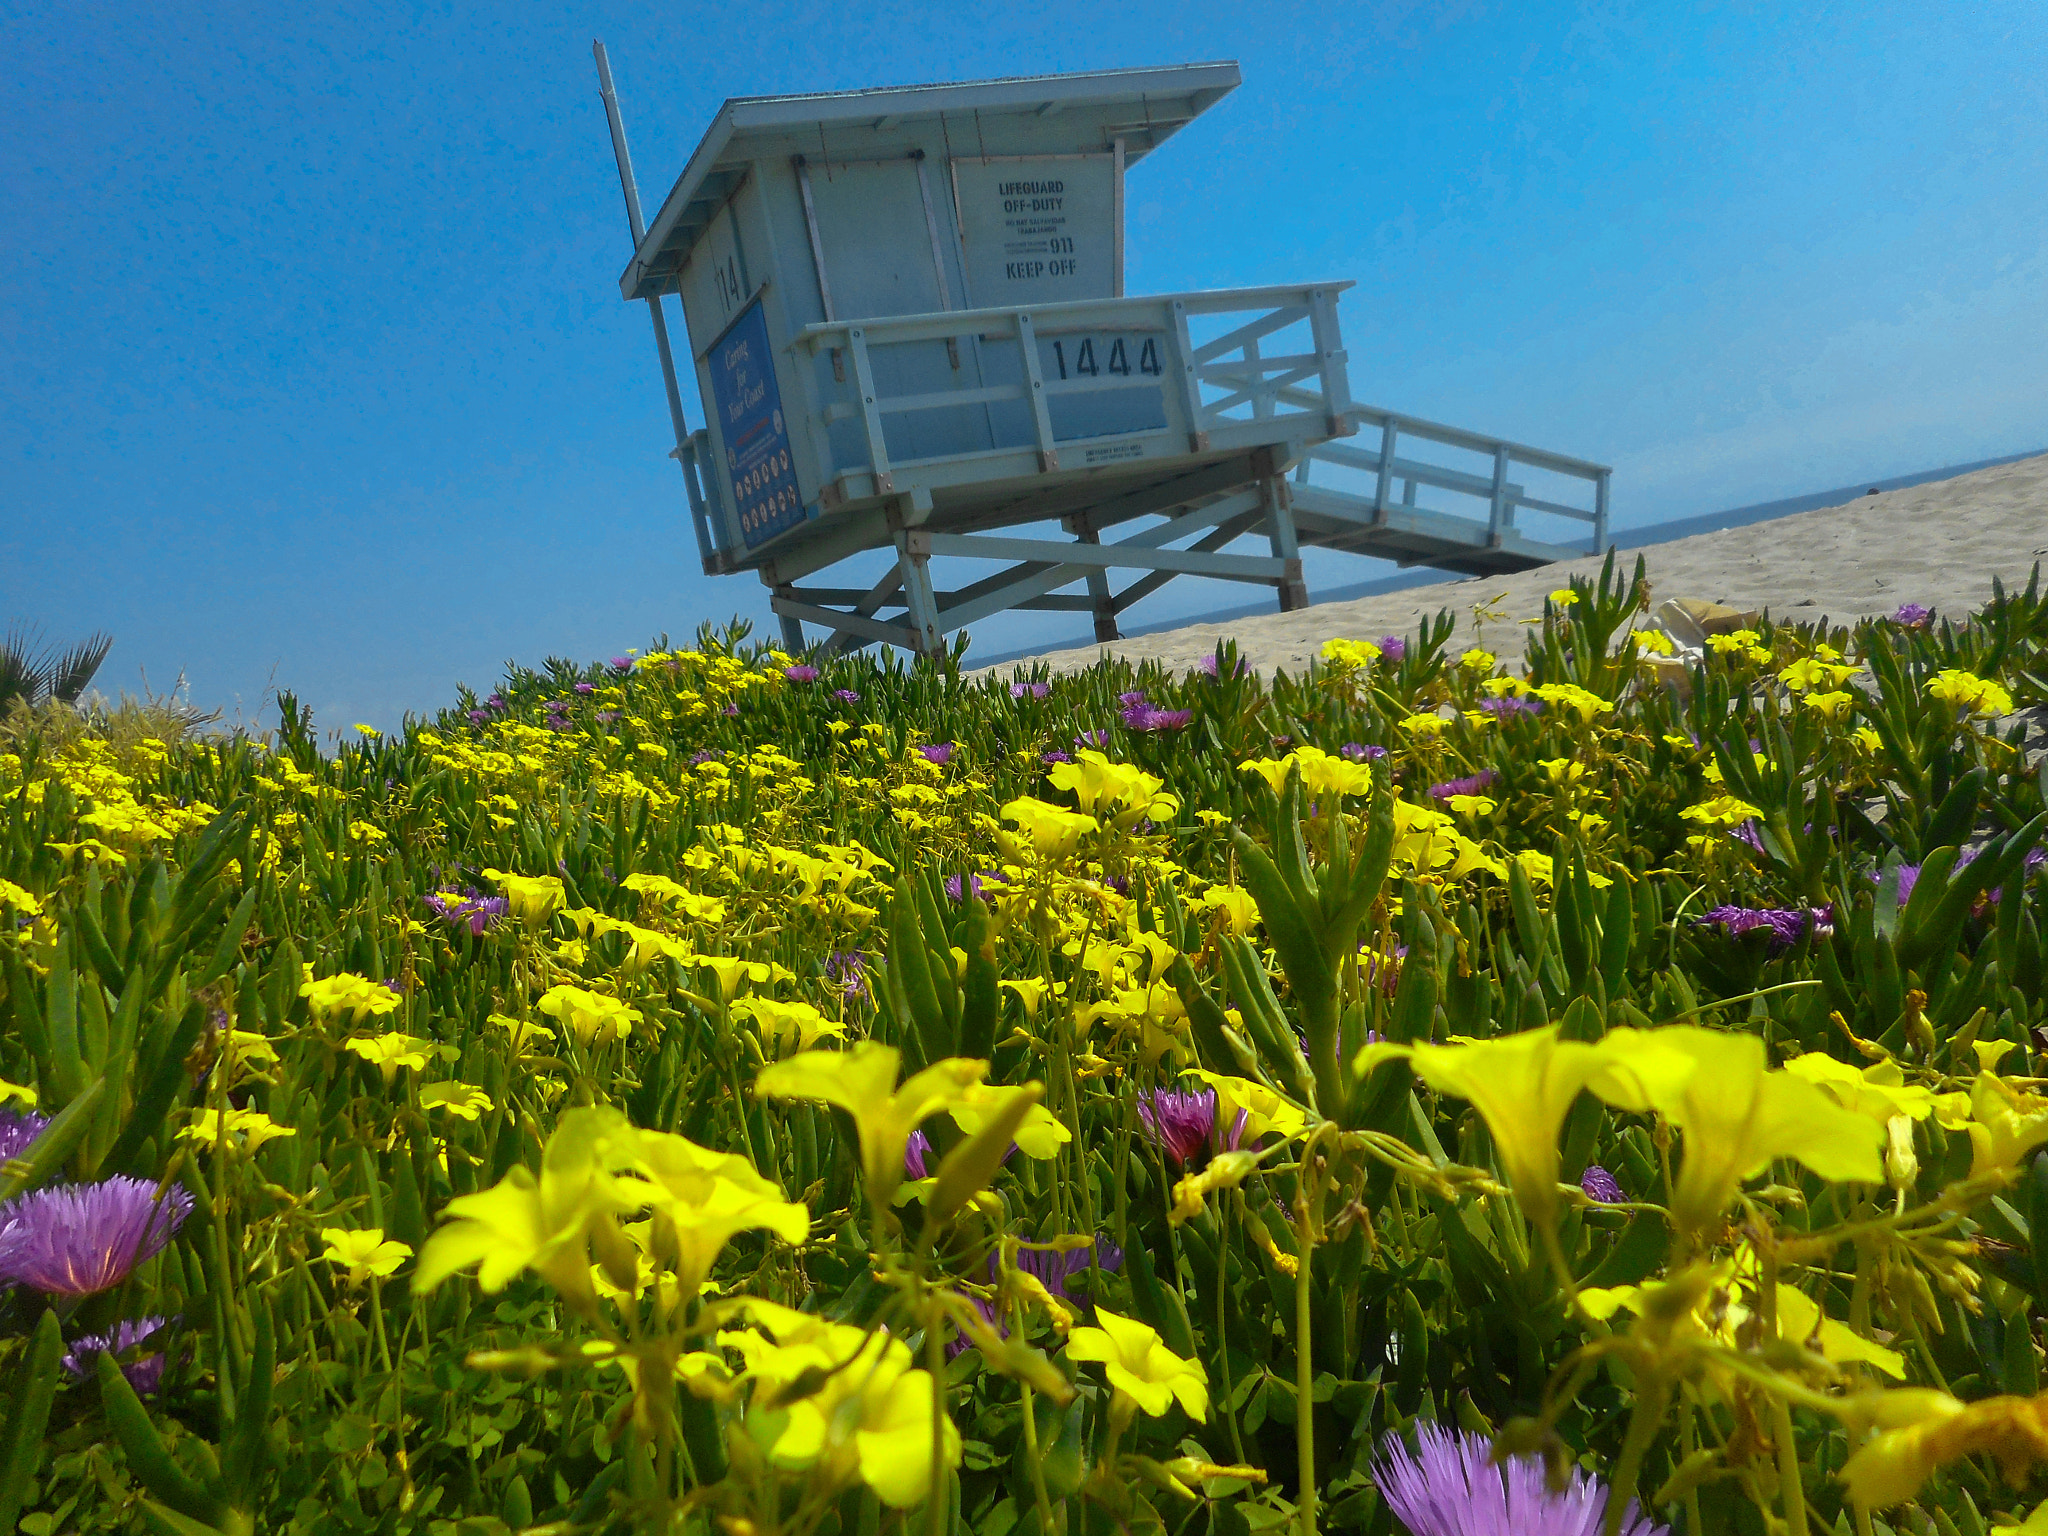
(668, 362)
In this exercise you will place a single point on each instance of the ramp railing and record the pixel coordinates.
(1396, 456)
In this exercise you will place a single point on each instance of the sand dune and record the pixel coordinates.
(1937, 544)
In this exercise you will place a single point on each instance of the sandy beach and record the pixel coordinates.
(1937, 544)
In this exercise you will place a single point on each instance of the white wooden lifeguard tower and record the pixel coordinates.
(906, 313)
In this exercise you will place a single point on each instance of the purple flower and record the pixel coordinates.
(976, 884)
(1183, 1124)
(622, 663)
(1054, 1267)
(1096, 739)
(1451, 1486)
(708, 755)
(1392, 648)
(607, 716)
(1786, 925)
(1030, 690)
(1050, 758)
(730, 709)
(917, 1155)
(1471, 784)
(938, 753)
(801, 673)
(17, 1131)
(478, 716)
(468, 905)
(847, 969)
(1160, 720)
(1361, 754)
(1383, 971)
(1135, 696)
(586, 687)
(80, 1239)
(846, 695)
(1507, 707)
(144, 1375)
(495, 701)
(1912, 615)
(1747, 834)
(1601, 1185)
(1212, 664)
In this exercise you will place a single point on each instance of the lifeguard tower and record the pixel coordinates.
(906, 315)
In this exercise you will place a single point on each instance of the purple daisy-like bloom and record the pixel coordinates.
(622, 663)
(468, 906)
(1392, 647)
(1052, 758)
(145, 1375)
(708, 755)
(1358, 752)
(801, 673)
(1786, 925)
(1508, 707)
(80, 1239)
(1450, 1485)
(1054, 1267)
(1030, 690)
(938, 753)
(1912, 615)
(1601, 1185)
(1096, 739)
(1471, 784)
(17, 1131)
(846, 695)
(1143, 717)
(917, 1155)
(1748, 835)
(586, 687)
(1212, 665)
(1183, 1124)
(478, 716)
(607, 716)
(847, 969)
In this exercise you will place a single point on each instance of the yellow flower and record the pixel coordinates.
(1866, 738)
(1240, 912)
(1522, 1085)
(1140, 1366)
(1830, 705)
(862, 1081)
(1424, 727)
(458, 1099)
(1921, 1429)
(388, 1053)
(2006, 1123)
(842, 1403)
(589, 1016)
(1655, 641)
(730, 972)
(1721, 811)
(787, 1026)
(1734, 640)
(363, 1253)
(1476, 660)
(12, 895)
(1324, 773)
(357, 996)
(1736, 1115)
(1564, 597)
(1272, 769)
(1031, 992)
(1053, 830)
(1040, 1135)
(244, 1130)
(1350, 655)
(1562, 770)
(533, 898)
(11, 1093)
(1812, 672)
(1581, 702)
(1969, 693)
(524, 1032)
(1106, 788)
(1472, 805)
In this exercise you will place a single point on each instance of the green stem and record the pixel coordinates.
(1222, 1332)
(935, 1499)
(1642, 1428)
(1791, 1490)
(1031, 1453)
(1304, 1383)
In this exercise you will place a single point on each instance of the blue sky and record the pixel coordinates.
(315, 373)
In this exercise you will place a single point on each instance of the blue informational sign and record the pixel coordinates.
(756, 433)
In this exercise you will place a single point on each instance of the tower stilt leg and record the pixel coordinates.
(922, 607)
(1279, 518)
(1098, 588)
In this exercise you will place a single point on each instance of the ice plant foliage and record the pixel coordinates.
(724, 1090)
